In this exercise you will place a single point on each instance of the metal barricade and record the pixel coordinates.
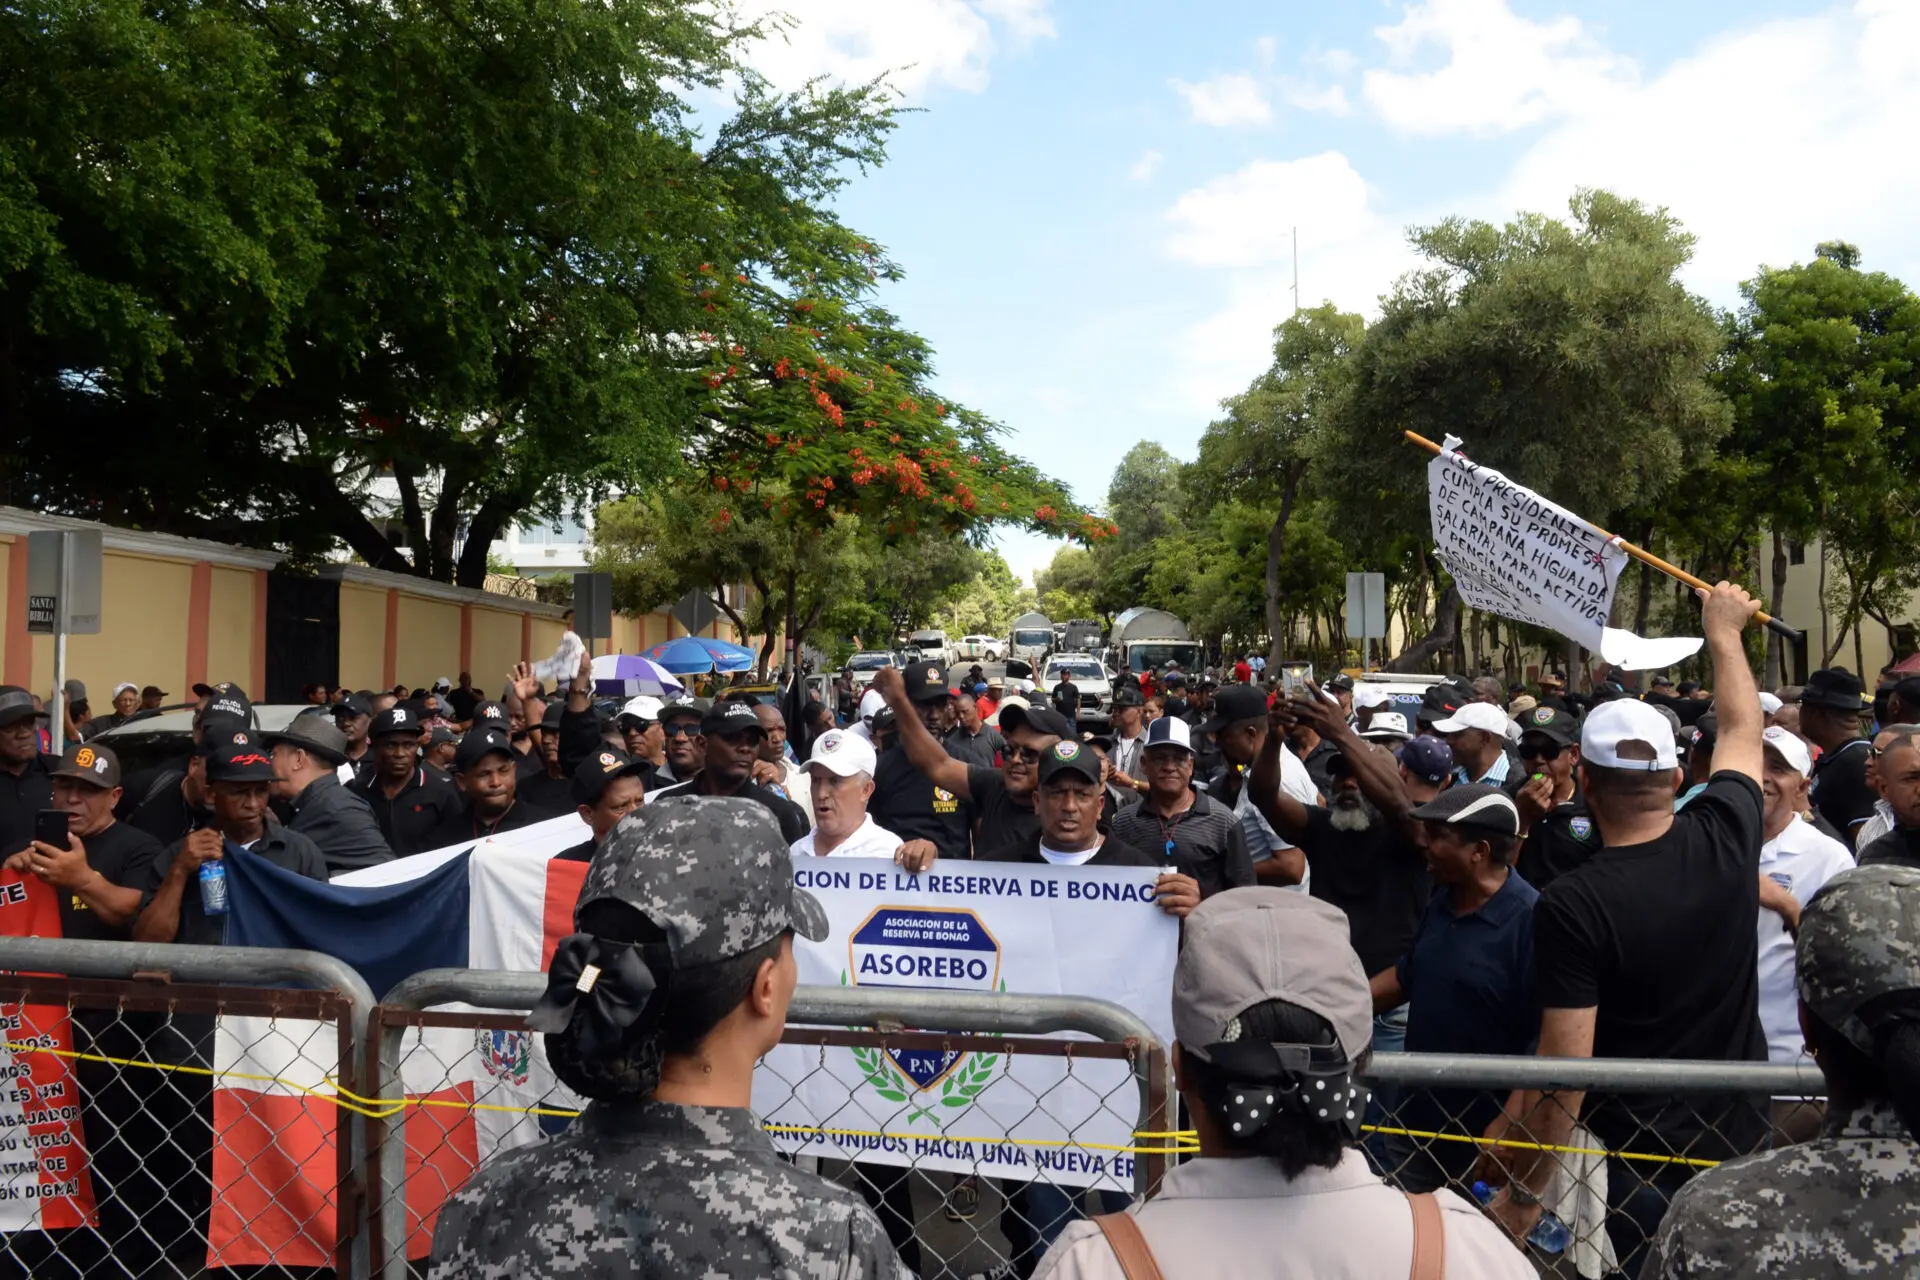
(1014, 1216)
(193, 1111)
(1644, 1129)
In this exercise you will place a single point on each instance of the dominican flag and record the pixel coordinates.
(500, 904)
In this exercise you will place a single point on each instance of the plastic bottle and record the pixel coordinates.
(1549, 1235)
(213, 888)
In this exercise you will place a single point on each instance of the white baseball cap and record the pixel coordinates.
(1624, 720)
(1369, 695)
(442, 685)
(1169, 731)
(1391, 725)
(1790, 748)
(124, 687)
(1770, 704)
(842, 753)
(1475, 715)
(872, 703)
(645, 707)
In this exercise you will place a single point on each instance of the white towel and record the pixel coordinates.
(1577, 1195)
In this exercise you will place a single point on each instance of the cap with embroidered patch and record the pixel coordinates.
(1388, 726)
(1427, 759)
(1555, 724)
(240, 759)
(1787, 745)
(95, 766)
(480, 743)
(842, 753)
(728, 718)
(399, 718)
(926, 681)
(1068, 756)
(598, 771)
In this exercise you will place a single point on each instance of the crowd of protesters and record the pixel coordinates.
(1609, 875)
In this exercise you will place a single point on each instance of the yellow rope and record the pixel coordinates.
(1186, 1140)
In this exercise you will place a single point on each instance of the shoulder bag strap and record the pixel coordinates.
(1429, 1238)
(1128, 1245)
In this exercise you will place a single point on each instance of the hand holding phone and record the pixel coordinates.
(50, 826)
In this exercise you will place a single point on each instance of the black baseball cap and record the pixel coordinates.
(1439, 703)
(478, 745)
(926, 681)
(239, 759)
(1129, 696)
(399, 718)
(693, 708)
(1553, 723)
(1068, 756)
(93, 765)
(550, 719)
(352, 705)
(1036, 719)
(729, 718)
(490, 714)
(1234, 704)
(597, 772)
(16, 704)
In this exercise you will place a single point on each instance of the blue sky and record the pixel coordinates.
(1094, 204)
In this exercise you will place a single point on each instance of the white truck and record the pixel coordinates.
(933, 646)
(1145, 639)
(1032, 639)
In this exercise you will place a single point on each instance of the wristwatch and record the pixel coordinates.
(1518, 1193)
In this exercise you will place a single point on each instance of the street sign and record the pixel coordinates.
(1367, 606)
(593, 606)
(63, 582)
(695, 612)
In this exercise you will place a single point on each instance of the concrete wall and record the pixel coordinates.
(1801, 606)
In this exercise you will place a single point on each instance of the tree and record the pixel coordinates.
(1069, 584)
(1144, 496)
(1566, 354)
(1260, 451)
(1823, 373)
(986, 604)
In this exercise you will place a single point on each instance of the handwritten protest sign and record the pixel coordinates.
(1091, 931)
(1517, 554)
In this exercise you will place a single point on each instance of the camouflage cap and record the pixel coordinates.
(1859, 940)
(714, 874)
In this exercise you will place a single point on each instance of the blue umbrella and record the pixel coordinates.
(690, 655)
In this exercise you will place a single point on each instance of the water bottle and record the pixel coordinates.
(213, 888)
(1549, 1235)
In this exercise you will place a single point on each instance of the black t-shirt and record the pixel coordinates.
(22, 796)
(1066, 699)
(546, 793)
(168, 817)
(463, 702)
(792, 818)
(1111, 853)
(1378, 877)
(410, 819)
(283, 848)
(1659, 936)
(1558, 842)
(123, 855)
(906, 802)
(463, 826)
(1900, 847)
(1840, 791)
(1003, 818)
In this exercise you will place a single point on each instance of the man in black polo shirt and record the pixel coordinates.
(1556, 831)
(485, 771)
(1830, 710)
(1647, 949)
(1190, 833)
(550, 789)
(410, 798)
(607, 787)
(26, 772)
(1003, 797)
(353, 716)
(729, 743)
(104, 863)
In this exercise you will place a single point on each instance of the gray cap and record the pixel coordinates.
(1859, 940)
(713, 874)
(1248, 946)
(1473, 805)
(316, 735)
(16, 704)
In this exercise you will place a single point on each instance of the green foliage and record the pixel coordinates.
(985, 604)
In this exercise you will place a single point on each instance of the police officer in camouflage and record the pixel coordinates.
(1848, 1202)
(657, 1009)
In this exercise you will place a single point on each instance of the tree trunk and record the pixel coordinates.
(1643, 607)
(1276, 544)
(488, 523)
(1444, 636)
(1776, 647)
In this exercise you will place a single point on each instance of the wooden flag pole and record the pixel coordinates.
(1773, 624)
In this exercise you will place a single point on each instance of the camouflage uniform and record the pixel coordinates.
(638, 1188)
(1847, 1203)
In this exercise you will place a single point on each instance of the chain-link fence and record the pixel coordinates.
(975, 1144)
(1607, 1172)
(160, 1128)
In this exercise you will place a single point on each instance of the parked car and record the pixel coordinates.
(980, 649)
(933, 646)
(1405, 691)
(167, 737)
(1089, 676)
(861, 668)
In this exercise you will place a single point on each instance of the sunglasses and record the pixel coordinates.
(1541, 751)
(1027, 754)
(681, 730)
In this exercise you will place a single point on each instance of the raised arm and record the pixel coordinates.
(923, 749)
(1286, 814)
(1724, 614)
(1375, 770)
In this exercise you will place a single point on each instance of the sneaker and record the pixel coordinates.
(963, 1202)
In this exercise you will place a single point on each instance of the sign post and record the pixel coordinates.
(63, 599)
(593, 607)
(695, 612)
(1367, 612)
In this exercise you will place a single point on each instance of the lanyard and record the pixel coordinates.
(1168, 829)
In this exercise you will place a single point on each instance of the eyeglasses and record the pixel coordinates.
(1541, 751)
(1026, 754)
(681, 730)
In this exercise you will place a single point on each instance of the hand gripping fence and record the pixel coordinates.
(141, 1065)
(868, 1022)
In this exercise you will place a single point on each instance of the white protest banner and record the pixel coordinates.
(1514, 553)
(1043, 930)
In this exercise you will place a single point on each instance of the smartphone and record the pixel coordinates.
(50, 827)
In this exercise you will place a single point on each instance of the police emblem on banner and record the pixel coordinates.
(505, 1054)
(947, 949)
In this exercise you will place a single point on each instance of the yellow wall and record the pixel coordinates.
(546, 638)
(230, 626)
(363, 636)
(429, 641)
(143, 630)
(496, 647)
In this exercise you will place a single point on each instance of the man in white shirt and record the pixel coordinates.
(840, 771)
(1796, 860)
(1478, 733)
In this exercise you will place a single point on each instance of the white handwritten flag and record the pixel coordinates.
(1514, 553)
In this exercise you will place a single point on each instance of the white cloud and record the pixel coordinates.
(1146, 166)
(1328, 101)
(1233, 99)
(917, 44)
(1264, 48)
(1337, 62)
(1501, 71)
